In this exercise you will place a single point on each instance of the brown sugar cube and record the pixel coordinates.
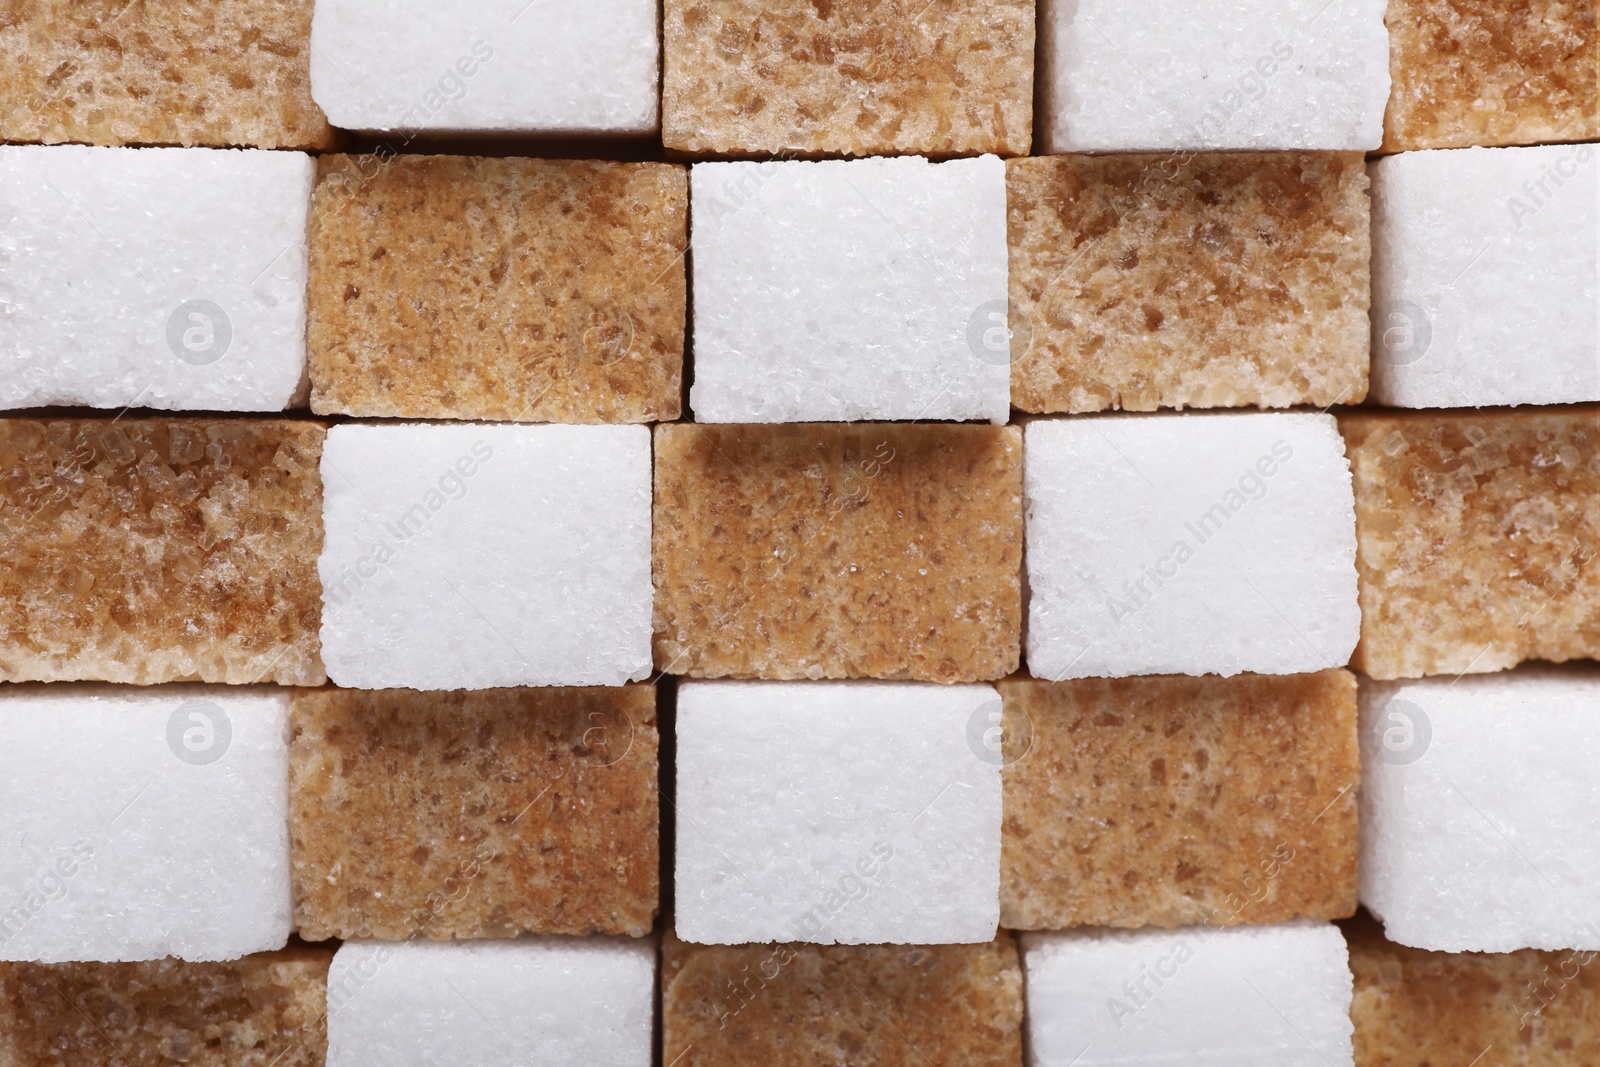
(828, 550)
(1414, 1008)
(1477, 534)
(847, 77)
(265, 1010)
(488, 813)
(160, 550)
(170, 72)
(1168, 281)
(1486, 72)
(799, 1005)
(1172, 801)
(528, 290)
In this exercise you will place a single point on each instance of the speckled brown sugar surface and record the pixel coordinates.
(1510, 1009)
(112, 72)
(1477, 536)
(848, 77)
(528, 290)
(826, 550)
(160, 550)
(1170, 801)
(265, 1010)
(1486, 72)
(1169, 281)
(887, 1005)
(473, 814)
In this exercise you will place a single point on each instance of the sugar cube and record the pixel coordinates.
(1484, 277)
(473, 556)
(1170, 801)
(1477, 809)
(169, 278)
(777, 549)
(544, 1000)
(1227, 279)
(479, 65)
(158, 550)
(225, 72)
(1247, 996)
(1476, 535)
(848, 290)
(1216, 74)
(143, 822)
(887, 1005)
(265, 1010)
(530, 290)
(836, 813)
(747, 77)
(1136, 566)
(1482, 72)
(473, 814)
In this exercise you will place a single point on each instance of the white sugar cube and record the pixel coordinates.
(474, 556)
(1245, 996)
(168, 278)
(487, 65)
(1212, 74)
(1480, 810)
(1484, 277)
(1189, 544)
(837, 813)
(137, 823)
(850, 290)
(542, 1000)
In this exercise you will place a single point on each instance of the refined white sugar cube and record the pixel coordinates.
(474, 556)
(487, 65)
(1245, 996)
(169, 278)
(1480, 810)
(1484, 277)
(850, 290)
(1212, 74)
(837, 813)
(1189, 544)
(539, 1000)
(137, 823)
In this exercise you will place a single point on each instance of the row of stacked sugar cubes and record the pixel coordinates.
(881, 829)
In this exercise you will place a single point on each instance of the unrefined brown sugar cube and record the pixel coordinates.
(1477, 538)
(801, 1005)
(477, 814)
(160, 550)
(1174, 801)
(113, 72)
(822, 550)
(265, 1010)
(848, 77)
(1520, 1009)
(1485, 72)
(527, 290)
(1169, 281)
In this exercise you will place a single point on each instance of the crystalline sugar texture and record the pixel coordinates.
(1214, 74)
(850, 290)
(837, 812)
(143, 822)
(1246, 996)
(1480, 810)
(543, 1000)
(1484, 277)
(475, 556)
(526, 65)
(167, 278)
(1189, 544)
